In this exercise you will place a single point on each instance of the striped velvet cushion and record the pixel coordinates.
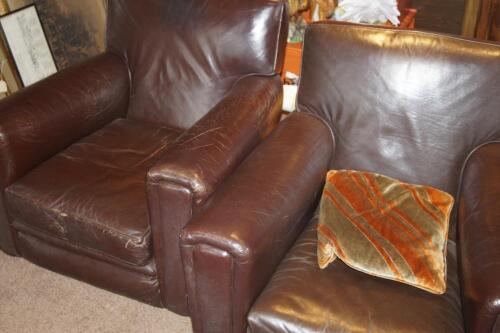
(385, 228)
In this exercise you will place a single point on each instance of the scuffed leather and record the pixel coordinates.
(92, 194)
(409, 105)
(210, 150)
(200, 160)
(405, 104)
(232, 247)
(184, 55)
(303, 298)
(43, 119)
(126, 282)
(176, 63)
(479, 238)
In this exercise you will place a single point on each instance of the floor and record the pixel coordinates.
(33, 299)
(440, 15)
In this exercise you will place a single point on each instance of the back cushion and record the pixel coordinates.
(184, 55)
(405, 104)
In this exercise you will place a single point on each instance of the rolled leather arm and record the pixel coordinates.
(198, 162)
(211, 149)
(38, 122)
(479, 239)
(232, 248)
(41, 120)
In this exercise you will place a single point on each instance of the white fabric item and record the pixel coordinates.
(289, 97)
(368, 11)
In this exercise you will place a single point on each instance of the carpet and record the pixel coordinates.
(33, 299)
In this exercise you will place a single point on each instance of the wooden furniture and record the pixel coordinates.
(482, 19)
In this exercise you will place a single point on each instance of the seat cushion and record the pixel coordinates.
(93, 193)
(302, 298)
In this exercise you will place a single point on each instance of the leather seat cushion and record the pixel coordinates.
(93, 193)
(302, 298)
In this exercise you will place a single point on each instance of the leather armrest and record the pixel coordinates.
(479, 239)
(211, 149)
(231, 249)
(43, 119)
(40, 121)
(199, 161)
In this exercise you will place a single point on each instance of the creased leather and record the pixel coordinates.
(142, 287)
(251, 221)
(406, 104)
(200, 160)
(184, 55)
(210, 150)
(479, 238)
(170, 64)
(303, 298)
(92, 194)
(410, 105)
(45, 118)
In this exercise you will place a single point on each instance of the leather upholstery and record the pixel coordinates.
(196, 165)
(479, 237)
(302, 298)
(92, 194)
(409, 105)
(406, 103)
(102, 165)
(41, 120)
(62, 257)
(185, 55)
(251, 222)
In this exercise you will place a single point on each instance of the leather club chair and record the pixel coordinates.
(420, 107)
(103, 164)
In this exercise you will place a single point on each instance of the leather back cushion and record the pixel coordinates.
(406, 104)
(184, 55)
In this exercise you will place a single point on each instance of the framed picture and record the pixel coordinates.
(75, 29)
(28, 45)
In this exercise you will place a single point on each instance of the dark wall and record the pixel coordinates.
(440, 15)
(75, 29)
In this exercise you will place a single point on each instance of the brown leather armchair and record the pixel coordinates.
(103, 164)
(419, 107)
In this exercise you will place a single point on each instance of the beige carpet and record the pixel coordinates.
(33, 299)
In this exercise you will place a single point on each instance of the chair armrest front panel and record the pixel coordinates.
(199, 161)
(40, 121)
(479, 239)
(232, 248)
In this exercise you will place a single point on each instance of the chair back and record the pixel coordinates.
(406, 104)
(184, 55)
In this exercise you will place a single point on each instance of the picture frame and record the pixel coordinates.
(75, 30)
(26, 40)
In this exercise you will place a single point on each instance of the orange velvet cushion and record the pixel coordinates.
(385, 228)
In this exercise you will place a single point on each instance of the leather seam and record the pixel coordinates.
(31, 231)
(232, 277)
(276, 51)
(157, 186)
(397, 30)
(464, 167)
(141, 239)
(198, 247)
(496, 325)
(324, 122)
(150, 277)
(192, 191)
(190, 252)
